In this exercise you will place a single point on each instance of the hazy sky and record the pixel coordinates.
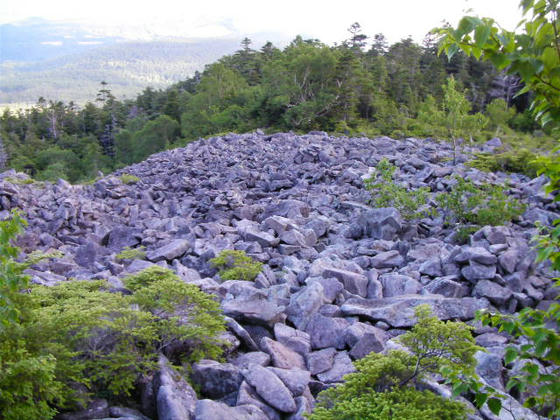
(323, 19)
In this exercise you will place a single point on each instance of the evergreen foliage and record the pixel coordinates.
(128, 253)
(471, 206)
(388, 386)
(411, 203)
(236, 265)
(398, 90)
(60, 345)
(533, 55)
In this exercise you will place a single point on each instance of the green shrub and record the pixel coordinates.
(387, 193)
(236, 265)
(128, 253)
(129, 179)
(386, 386)
(519, 161)
(471, 206)
(20, 181)
(60, 345)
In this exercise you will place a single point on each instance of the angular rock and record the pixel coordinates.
(248, 395)
(257, 357)
(175, 398)
(297, 340)
(321, 360)
(475, 271)
(399, 311)
(389, 259)
(172, 250)
(282, 356)
(446, 286)
(494, 292)
(216, 380)
(208, 409)
(326, 332)
(296, 380)
(508, 260)
(396, 285)
(476, 254)
(270, 388)
(255, 309)
(304, 304)
(353, 282)
(342, 366)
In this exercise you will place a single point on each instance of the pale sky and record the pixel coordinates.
(327, 20)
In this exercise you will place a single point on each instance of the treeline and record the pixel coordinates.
(353, 87)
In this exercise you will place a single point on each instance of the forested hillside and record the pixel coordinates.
(399, 90)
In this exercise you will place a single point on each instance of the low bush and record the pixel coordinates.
(471, 206)
(61, 345)
(128, 253)
(388, 386)
(129, 179)
(236, 265)
(520, 161)
(411, 203)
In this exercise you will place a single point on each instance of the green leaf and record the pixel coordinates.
(480, 398)
(481, 34)
(511, 355)
(495, 405)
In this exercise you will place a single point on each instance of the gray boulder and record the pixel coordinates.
(172, 250)
(397, 284)
(388, 259)
(399, 311)
(381, 223)
(210, 410)
(270, 388)
(216, 380)
(282, 356)
(494, 292)
(326, 332)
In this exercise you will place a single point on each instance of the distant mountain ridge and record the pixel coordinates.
(64, 61)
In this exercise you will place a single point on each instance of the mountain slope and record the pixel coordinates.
(340, 278)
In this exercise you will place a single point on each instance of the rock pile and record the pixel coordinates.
(340, 279)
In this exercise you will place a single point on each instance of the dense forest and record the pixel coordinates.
(359, 86)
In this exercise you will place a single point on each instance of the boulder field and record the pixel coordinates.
(340, 278)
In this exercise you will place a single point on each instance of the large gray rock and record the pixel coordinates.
(326, 332)
(321, 360)
(296, 380)
(476, 254)
(399, 311)
(298, 341)
(175, 398)
(397, 284)
(342, 365)
(172, 250)
(388, 259)
(255, 309)
(353, 282)
(381, 223)
(216, 380)
(446, 286)
(494, 292)
(476, 271)
(270, 388)
(305, 303)
(210, 410)
(282, 356)
(248, 395)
